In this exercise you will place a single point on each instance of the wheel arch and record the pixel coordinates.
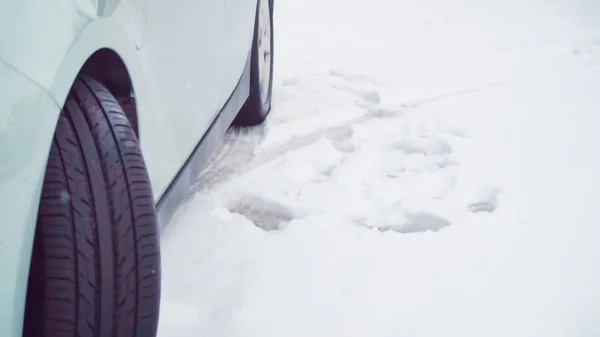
(105, 51)
(107, 67)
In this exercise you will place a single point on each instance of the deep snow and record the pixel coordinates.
(430, 168)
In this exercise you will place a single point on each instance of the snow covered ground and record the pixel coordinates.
(430, 168)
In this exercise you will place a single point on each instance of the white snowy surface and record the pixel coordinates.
(430, 168)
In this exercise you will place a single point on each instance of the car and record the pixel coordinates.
(109, 109)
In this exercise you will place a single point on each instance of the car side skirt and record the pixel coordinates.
(179, 188)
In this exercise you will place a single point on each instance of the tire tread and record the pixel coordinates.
(65, 274)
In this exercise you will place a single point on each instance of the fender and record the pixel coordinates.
(110, 33)
(27, 118)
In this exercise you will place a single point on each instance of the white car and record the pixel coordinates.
(108, 111)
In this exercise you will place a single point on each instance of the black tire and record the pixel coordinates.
(257, 108)
(95, 269)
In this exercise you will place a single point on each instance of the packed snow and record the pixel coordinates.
(430, 168)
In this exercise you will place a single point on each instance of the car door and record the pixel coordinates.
(183, 46)
(239, 31)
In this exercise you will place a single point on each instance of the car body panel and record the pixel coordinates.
(179, 95)
(155, 138)
(239, 32)
(189, 67)
(25, 111)
(180, 187)
(187, 85)
(45, 31)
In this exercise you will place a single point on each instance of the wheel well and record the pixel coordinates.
(107, 67)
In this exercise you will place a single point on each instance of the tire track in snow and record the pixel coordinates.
(240, 150)
(241, 157)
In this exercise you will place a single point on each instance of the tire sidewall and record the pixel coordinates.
(263, 103)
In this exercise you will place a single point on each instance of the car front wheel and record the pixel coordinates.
(258, 105)
(95, 268)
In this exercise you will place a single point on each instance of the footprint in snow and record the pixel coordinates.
(424, 144)
(266, 215)
(406, 222)
(422, 222)
(485, 201)
(370, 97)
(423, 154)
